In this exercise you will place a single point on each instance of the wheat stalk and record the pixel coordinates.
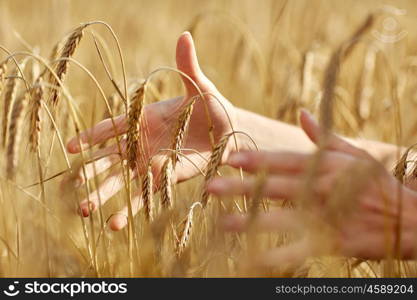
(185, 230)
(213, 166)
(147, 194)
(68, 51)
(166, 184)
(134, 125)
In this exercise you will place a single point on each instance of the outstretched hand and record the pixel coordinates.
(161, 118)
(371, 228)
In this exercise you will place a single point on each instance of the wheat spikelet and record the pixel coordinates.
(185, 230)
(180, 130)
(68, 51)
(117, 104)
(213, 165)
(134, 124)
(15, 132)
(166, 184)
(35, 111)
(147, 194)
(400, 168)
(10, 94)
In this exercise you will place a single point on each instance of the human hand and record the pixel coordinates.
(369, 221)
(161, 118)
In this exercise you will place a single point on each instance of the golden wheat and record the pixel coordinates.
(35, 114)
(147, 194)
(166, 184)
(213, 166)
(68, 51)
(15, 133)
(10, 94)
(185, 230)
(134, 126)
(180, 131)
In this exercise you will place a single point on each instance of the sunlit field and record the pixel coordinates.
(66, 65)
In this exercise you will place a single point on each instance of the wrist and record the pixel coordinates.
(243, 136)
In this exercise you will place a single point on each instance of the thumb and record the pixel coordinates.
(334, 142)
(187, 62)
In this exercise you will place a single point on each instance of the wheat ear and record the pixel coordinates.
(180, 131)
(166, 184)
(68, 51)
(35, 114)
(147, 194)
(213, 166)
(15, 132)
(185, 230)
(400, 168)
(134, 125)
(10, 94)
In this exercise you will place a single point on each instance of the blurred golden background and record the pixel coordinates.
(267, 56)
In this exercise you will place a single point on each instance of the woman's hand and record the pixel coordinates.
(161, 118)
(369, 223)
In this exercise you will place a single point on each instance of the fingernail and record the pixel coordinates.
(237, 159)
(77, 182)
(81, 146)
(83, 211)
(308, 114)
(117, 222)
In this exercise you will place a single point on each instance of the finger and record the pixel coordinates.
(110, 187)
(279, 220)
(100, 161)
(286, 162)
(119, 220)
(274, 187)
(359, 245)
(278, 187)
(334, 142)
(187, 62)
(98, 134)
(272, 162)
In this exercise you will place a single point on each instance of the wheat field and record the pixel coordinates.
(64, 64)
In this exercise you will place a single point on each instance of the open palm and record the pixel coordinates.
(161, 118)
